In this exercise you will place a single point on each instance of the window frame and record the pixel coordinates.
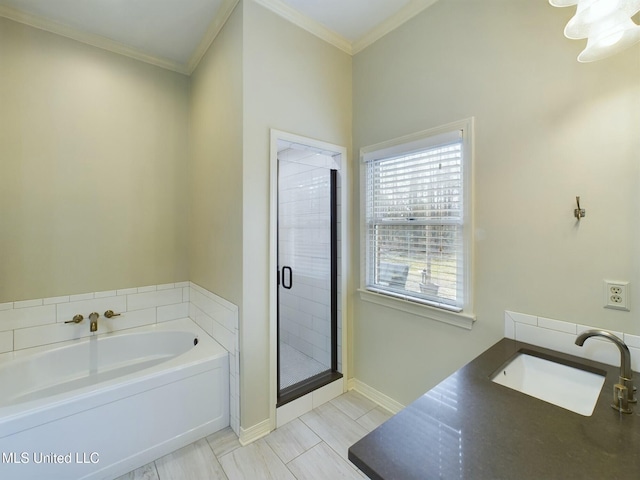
(421, 140)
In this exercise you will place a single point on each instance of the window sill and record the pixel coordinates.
(461, 320)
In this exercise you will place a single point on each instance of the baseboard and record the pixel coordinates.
(371, 393)
(255, 432)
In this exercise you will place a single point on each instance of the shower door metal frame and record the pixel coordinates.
(288, 394)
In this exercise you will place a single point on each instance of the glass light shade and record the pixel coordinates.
(577, 30)
(591, 12)
(610, 41)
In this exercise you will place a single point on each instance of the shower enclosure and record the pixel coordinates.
(307, 257)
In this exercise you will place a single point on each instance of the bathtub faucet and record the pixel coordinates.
(623, 391)
(94, 322)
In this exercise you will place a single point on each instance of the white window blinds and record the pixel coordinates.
(414, 204)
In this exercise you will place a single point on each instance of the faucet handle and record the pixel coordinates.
(627, 383)
(76, 319)
(109, 314)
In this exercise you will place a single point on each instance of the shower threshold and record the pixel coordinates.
(300, 389)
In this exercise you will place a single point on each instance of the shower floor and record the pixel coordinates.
(295, 366)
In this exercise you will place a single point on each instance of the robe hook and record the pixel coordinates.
(579, 212)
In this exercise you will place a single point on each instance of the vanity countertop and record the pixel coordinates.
(468, 427)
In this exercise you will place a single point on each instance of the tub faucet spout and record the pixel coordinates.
(93, 326)
(623, 391)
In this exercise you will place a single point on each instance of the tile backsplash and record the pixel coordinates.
(560, 336)
(38, 322)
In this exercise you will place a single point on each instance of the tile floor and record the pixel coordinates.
(312, 447)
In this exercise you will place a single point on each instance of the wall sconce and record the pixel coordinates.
(606, 24)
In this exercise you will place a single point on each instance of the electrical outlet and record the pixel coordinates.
(616, 295)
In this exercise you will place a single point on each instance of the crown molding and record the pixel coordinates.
(405, 14)
(89, 39)
(304, 22)
(222, 15)
(413, 8)
(226, 9)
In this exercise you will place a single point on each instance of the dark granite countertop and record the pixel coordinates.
(468, 427)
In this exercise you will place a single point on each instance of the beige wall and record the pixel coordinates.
(92, 168)
(215, 165)
(547, 129)
(297, 83)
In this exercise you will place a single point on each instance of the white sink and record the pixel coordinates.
(567, 387)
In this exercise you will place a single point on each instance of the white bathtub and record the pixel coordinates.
(103, 406)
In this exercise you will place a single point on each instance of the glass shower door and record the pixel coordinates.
(307, 270)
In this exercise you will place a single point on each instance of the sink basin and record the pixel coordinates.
(570, 387)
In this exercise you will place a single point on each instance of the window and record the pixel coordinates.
(417, 217)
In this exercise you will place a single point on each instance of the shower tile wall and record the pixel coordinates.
(304, 238)
(304, 323)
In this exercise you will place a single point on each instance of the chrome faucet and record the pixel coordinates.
(623, 391)
(93, 327)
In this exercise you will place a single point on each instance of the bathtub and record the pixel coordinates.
(103, 406)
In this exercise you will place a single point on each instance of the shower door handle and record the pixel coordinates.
(284, 278)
